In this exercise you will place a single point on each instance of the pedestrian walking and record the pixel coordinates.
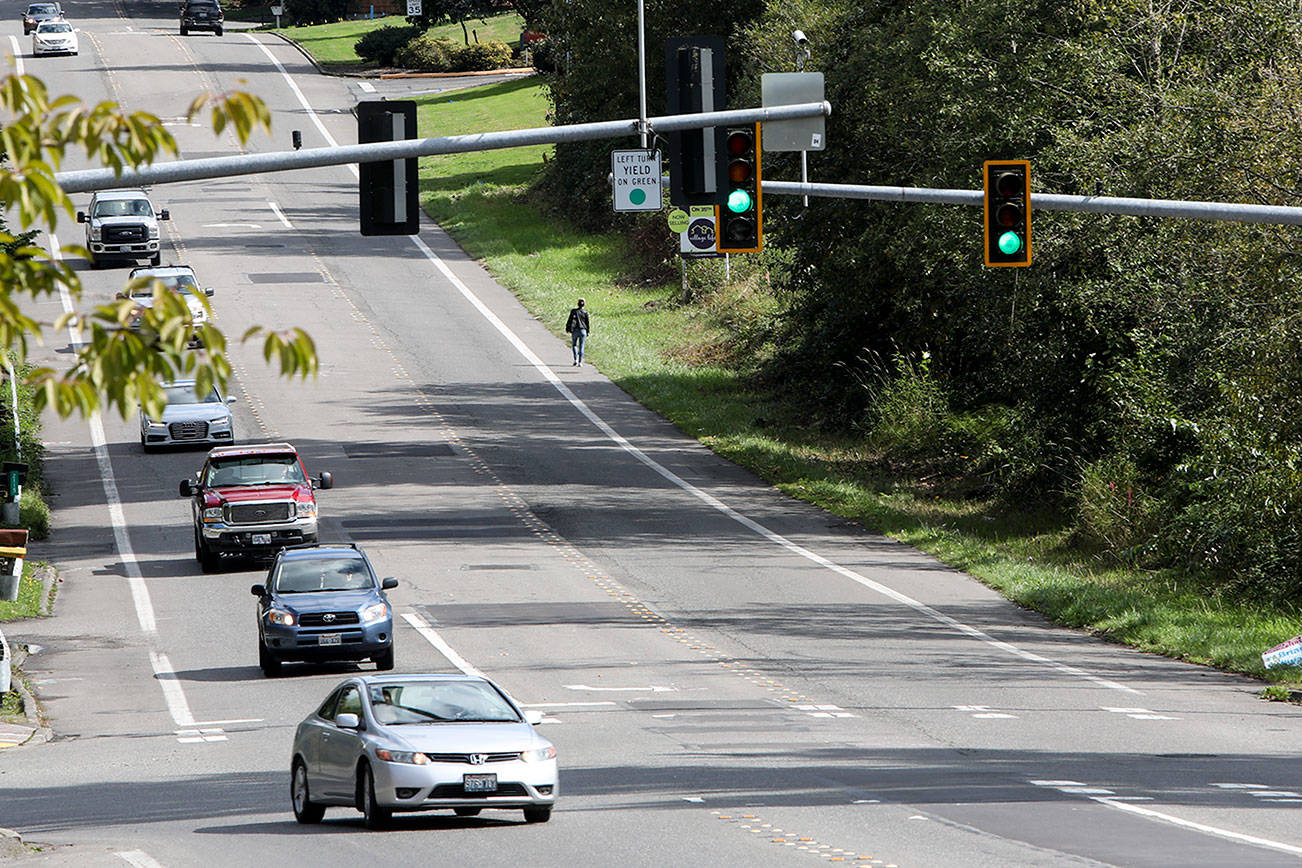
(579, 327)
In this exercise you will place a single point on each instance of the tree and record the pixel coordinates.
(126, 352)
(454, 11)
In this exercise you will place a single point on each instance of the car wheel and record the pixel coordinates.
(537, 815)
(384, 662)
(375, 816)
(207, 558)
(219, 31)
(467, 812)
(96, 264)
(269, 665)
(156, 259)
(305, 810)
(144, 446)
(185, 32)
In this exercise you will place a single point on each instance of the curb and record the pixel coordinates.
(11, 843)
(520, 70)
(40, 732)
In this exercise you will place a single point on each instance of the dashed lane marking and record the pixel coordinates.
(1139, 713)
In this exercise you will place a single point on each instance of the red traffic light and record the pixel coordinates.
(740, 141)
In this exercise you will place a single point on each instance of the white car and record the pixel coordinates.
(177, 278)
(54, 37)
(386, 743)
(188, 418)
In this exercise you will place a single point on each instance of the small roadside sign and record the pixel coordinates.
(413, 8)
(636, 175)
(1284, 654)
(678, 220)
(699, 236)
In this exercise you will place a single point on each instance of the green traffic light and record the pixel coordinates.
(1010, 243)
(739, 201)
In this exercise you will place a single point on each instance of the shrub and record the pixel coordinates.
(34, 513)
(482, 56)
(1115, 510)
(380, 45)
(311, 11)
(426, 54)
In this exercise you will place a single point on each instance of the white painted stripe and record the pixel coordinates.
(172, 692)
(565, 704)
(367, 86)
(1200, 827)
(18, 54)
(431, 636)
(139, 858)
(546, 372)
(621, 689)
(227, 722)
(280, 215)
(302, 100)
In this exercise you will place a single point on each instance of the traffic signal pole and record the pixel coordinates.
(88, 180)
(1232, 212)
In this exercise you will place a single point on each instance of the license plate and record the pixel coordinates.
(330, 638)
(262, 539)
(479, 783)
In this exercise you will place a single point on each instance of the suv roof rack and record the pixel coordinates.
(320, 545)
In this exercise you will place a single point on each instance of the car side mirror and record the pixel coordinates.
(533, 716)
(348, 721)
(325, 480)
(388, 584)
(81, 216)
(230, 399)
(164, 215)
(208, 291)
(258, 590)
(120, 296)
(187, 488)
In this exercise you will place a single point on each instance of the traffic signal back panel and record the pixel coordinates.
(1007, 212)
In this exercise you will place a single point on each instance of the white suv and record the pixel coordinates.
(122, 224)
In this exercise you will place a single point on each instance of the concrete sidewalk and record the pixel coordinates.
(12, 735)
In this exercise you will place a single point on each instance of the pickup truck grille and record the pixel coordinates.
(256, 513)
(188, 430)
(132, 233)
(318, 619)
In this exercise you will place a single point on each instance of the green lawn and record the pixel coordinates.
(332, 44)
(651, 347)
(29, 603)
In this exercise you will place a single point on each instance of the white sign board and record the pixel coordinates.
(413, 8)
(277, 9)
(636, 177)
(793, 88)
(1285, 654)
(699, 236)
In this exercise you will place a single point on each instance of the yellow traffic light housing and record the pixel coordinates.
(1007, 212)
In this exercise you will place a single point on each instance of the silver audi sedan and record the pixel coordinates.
(189, 418)
(387, 743)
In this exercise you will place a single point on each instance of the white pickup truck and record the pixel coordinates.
(122, 224)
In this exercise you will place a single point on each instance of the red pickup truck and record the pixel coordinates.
(252, 501)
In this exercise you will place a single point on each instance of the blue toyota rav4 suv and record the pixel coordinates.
(323, 602)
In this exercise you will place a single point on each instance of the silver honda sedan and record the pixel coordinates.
(386, 743)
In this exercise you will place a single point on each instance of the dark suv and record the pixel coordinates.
(201, 15)
(323, 602)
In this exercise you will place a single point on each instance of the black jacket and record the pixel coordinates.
(578, 320)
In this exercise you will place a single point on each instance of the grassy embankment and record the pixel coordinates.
(332, 44)
(648, 346)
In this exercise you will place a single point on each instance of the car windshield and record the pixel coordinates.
(183, 283)
(256, 470)
(439, 701)
(55, 27)
(323, 574)
(42, 9)
(123, 208)
(184, 394)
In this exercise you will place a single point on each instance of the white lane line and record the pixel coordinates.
(622, 689)
(18, 54)
(231, 226)
(565, 704)
(227, 722)
(139, 858)
(431, 636)
(280, 215)
(367, 86)
(302, 100)
(1199, 827)
(163, 672)
(546, 372)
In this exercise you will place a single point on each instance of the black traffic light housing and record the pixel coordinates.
(739, 210)
(388, 189)
(1007, 212)
(694, 81)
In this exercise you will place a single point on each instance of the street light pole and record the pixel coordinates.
(641, 69)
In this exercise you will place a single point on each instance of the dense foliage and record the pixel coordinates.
(1143, 376)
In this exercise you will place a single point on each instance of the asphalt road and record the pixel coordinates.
(731, 677)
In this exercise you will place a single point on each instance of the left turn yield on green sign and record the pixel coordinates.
(635, 175)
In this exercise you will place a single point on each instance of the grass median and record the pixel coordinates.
(664, 354)
(332, 44)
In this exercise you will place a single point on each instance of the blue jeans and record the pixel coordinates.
(578, 338)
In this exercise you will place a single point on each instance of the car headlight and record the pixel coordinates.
(303, 509)
(153, 233)
(220, 422)
(402, 756)
(212, 513)
(538, 754)
(281, 617)
(152, 425)
(94, 232)
(374, 612)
